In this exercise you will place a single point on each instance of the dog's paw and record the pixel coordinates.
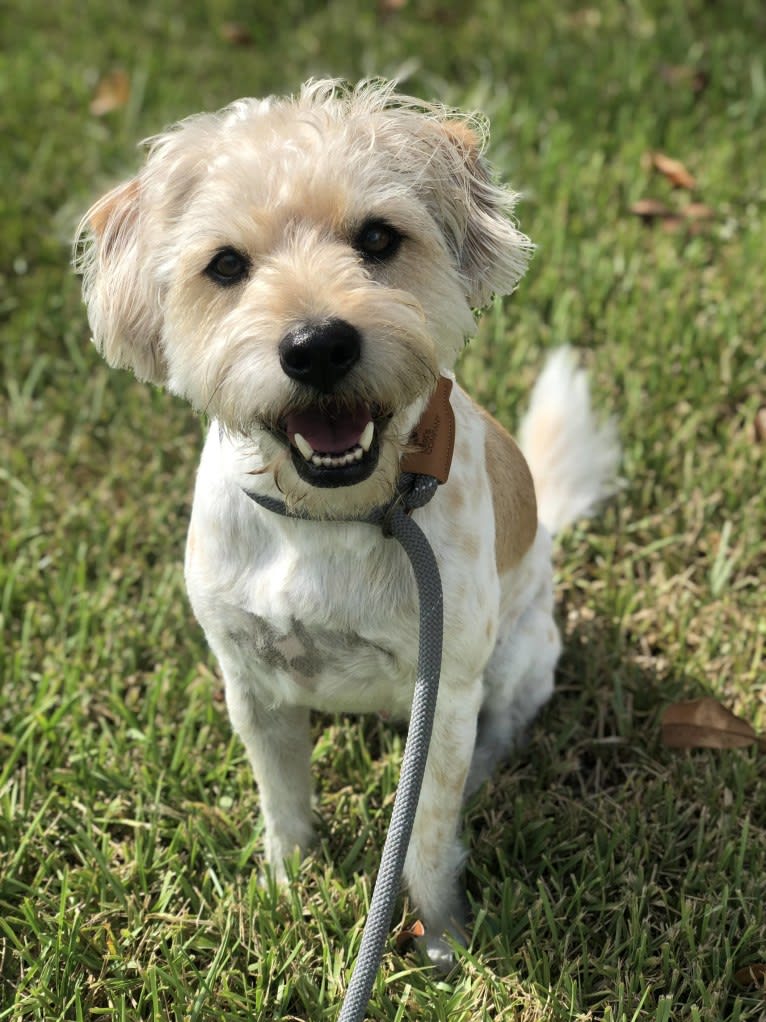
(288, 846)
(273, 876)
(284, 857)
(439, 949)
(281, 873)
(439, 952)
(438, 946)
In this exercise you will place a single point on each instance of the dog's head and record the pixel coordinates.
(302, 269)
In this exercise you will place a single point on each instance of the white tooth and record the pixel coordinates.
(327, 461)
(316, 460)
(358, 452)
(365, 440)
(303, 446)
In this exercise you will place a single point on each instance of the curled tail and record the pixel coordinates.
(573, 457)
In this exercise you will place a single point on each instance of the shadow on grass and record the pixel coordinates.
(609, 875)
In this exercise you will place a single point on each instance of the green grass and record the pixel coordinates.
(611, 879)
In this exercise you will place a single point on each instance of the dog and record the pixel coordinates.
(305, 271)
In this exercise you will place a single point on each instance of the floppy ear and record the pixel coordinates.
(123, 304)
(491, 252)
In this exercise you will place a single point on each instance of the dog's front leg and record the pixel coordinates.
(278, 744)
(435, 856)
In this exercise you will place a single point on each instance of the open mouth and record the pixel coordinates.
(334, 444)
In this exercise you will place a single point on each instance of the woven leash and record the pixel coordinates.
(394, 520)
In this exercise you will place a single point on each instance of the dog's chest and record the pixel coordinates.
(316, 657)
(331, 628)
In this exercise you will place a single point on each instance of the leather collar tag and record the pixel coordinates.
(434, 436)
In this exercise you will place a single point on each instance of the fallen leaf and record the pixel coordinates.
(672, 169)
(697, 211)
(112, 92)
(236, 33)
(651, 209)
(673, 223)
(409, 933)
(759, 425)
(751, 975)
(588, 17)
(706, 724)
(389, 6)
(693, 217)
(680, 76)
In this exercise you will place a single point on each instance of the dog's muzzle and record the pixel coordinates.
(333, 442)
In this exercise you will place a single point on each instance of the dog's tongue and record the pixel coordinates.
(329, 431)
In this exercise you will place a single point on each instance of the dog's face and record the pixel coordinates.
(301, 270)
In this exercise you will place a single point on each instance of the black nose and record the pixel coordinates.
(320, 355)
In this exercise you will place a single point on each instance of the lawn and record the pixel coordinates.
(611, 878)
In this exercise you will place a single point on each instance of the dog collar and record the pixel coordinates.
(433, 439)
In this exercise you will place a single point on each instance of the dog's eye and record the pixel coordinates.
(228, 267)
(377, 240)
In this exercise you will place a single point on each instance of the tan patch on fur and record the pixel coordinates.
(463, 135)
(454, 498)
(513, 495)
(119, 203)
(195, 551)
(470, 546)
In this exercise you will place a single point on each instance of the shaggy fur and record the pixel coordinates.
(297, 196)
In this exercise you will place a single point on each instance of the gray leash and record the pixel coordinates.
(395, 520)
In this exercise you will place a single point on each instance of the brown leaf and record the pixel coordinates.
(752, 975)
(673, 223)
(112, 92)
(692, 217)
(651, 209)
(236, 33)
(759, 425)
(672, 169)
(680, 76)
(695, 217)
(390, 6)
(409, 933)
(697, 211)
(706, 724)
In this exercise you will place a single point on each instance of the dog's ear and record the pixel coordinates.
(491, 252)
(123, 305)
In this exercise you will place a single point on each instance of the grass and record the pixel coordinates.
(611, 879)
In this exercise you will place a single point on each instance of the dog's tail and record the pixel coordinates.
(573, 457)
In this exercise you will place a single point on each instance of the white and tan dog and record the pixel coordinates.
(304, 270)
